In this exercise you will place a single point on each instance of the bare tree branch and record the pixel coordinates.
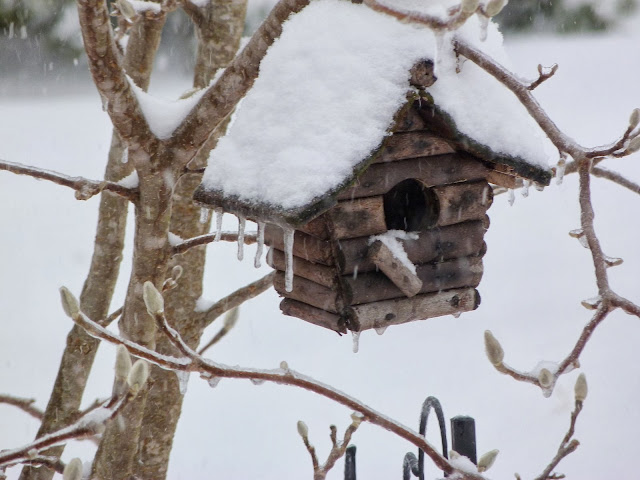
(567, 446)
(615, 177)
(457, 16)
(237, 298)
(24, 404)
(192, 362)
(249, 239)
(85, 188)
(543, 76)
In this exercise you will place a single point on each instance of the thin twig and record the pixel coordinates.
(249, 239)
(24, 404)
(615, 177)
(543, 76)
(456, 19)
(237, 298)
(84, 187)
(567, 446)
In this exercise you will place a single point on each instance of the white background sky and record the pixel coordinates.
(535, 277)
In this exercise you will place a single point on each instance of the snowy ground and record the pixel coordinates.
(535, 277)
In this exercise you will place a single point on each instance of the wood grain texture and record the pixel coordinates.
(313, 315)
(321, 274)
(305, 246)
(309, 292)
(463, 201)
(429, 305)
(404, 145)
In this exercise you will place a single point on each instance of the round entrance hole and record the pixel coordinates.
(410, 206)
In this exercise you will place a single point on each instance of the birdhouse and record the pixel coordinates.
(370, 222)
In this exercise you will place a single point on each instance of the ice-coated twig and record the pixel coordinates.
(338, 449)
(615, 178)
(237, 298)
(230, 320)
(543, 76)
(85, 188)
(248, 239)
(193, 362)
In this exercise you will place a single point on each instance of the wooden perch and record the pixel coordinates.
(403, 310)
(400, 274)
(313, 315)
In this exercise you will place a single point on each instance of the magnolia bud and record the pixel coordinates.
(634, 119)
(176, 272)
(284, 366)
(545, 378)
(73, 470)
(123, 363)
(231, 317)
(486, 460)
(303, 430)
(493, 348)
(138, 376)
(356, 419)
(494, 7)
(152, 299)
(126, 9)
(469, 6)
(634, 145)
(581, 389)
(69, 303)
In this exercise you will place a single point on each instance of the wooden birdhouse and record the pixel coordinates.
(395, 236)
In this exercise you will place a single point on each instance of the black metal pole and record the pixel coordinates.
(463, 437)
(350, 463)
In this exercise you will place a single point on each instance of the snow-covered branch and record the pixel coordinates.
(85, 188)
(190, 361)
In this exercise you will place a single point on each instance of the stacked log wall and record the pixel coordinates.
(336, 284)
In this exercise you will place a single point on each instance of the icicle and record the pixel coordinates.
(213, 381)
(485, 195)
(356, 341)
(125, 155)
(219, 215)
(525, 188)
(355, 272)
(512, 197)
(380, 330)
(241, 223)
(456, 314)
(439, 53)
(560, 168)
(257, 261)
(484, 25)
(612, 261)
(10, 36)
(23, 32)
(183, 381)
(257, 381)
(288, 255)
(204, 215)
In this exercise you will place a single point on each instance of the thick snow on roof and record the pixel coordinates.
(327, 93)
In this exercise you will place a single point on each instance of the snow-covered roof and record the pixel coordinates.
(326, 96)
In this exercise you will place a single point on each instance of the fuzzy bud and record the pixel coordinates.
(126, 9)
(634, 119)
(73, 470)
(70, 303)
(469, 6)
(494, 7)
(123, 363)
(138, 376)
(303, 430)
(581, 389)
(153, 299)
(495, 354)
(231, 317)
(545, 378)
(634, 145)
(486, 461)
(176, 272)
(284, 366)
